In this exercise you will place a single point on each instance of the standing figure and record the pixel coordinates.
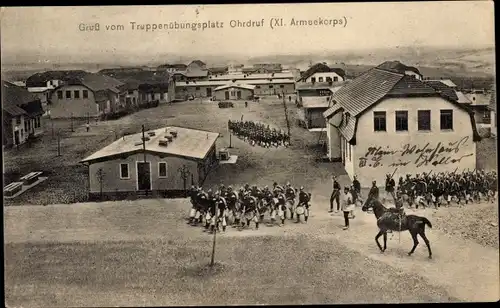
(335, 194)
(347, 206)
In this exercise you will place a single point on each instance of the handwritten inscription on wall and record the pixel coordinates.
(441, 153)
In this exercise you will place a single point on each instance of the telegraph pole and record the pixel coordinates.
(212, 259)
(72, 128)
(286, 118)
(229, 131)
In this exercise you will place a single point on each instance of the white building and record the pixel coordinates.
(385, 122)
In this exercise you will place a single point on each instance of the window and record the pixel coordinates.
(68, 94)
(325, 93)
(320, 79)
(335, 78)
(59, 95)
(197, 88)
(446, 119)
(162, 95)
(85, 94)
(424, 120)
(379, 121)
(130, 92)
(162, 169)
(257, 87)
(18, 120)
(282, 86)
(77, 94)
(486, 116)
(270, 86)
(144, 96)
(401, 121)
(124, 171)
(313, 79)
(328, 79)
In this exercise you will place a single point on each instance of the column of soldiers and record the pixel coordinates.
(239, 208)
(440, 188)
(258, 134)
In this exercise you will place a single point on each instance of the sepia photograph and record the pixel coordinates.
(249, 154)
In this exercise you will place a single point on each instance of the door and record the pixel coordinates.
(209, 92)
(16, 137)
(143, 176)
(227, 94)
(238, 95)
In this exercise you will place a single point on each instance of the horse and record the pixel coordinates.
(385, 222)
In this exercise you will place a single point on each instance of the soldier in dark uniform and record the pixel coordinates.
(304, 200)
(374, 192)
(389, 186)
(356, 190)
(335, 196)
(222, 212)
(290, 197)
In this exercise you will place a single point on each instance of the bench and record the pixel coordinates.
(12, 189)
(31, 178)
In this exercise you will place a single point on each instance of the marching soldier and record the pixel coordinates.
(335, 194)
(356, 189)
(304, 199)
(290, 198)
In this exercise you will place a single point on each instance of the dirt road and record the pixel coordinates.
(466, 270)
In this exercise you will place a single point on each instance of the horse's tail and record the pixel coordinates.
(426, 221)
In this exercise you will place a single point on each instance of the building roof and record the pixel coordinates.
(216, 70)
(374, 85)
(442, 88)
(478, 99)
(462, 99)
(33, 108)
(319, 85)
(235, 85)
(40, 79)
(15, 99)
(198, 62)
(98, 82)
(283, 75)
(192, 73)
(447, 82)
(398, 67)
(321, 68)
(203, 83)
(190, 143)
(116, 70)
(309, 102)
(178, 66)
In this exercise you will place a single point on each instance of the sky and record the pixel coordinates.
(53, 32)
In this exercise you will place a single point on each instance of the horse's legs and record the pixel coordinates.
(422, 235)
(385, 241)
(379, 234)
(415, 242)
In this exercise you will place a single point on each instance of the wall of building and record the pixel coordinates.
(379, 153)
(333, 135)
(482, 115)
(132, 98)
(113, 183)
(315, 117)
(323, 76)
(76, 107)
(493, 121)
(245, 94)
(22, 133)
(274, 89)
(347, 156)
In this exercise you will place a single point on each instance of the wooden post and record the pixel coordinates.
(144, 142)
(58, 143)
(287, 121)
(72, 128)
(229, 131)
(212, 259)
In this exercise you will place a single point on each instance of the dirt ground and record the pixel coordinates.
(144, 253)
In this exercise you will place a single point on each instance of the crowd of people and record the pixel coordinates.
(258, 134)
(215, 210)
